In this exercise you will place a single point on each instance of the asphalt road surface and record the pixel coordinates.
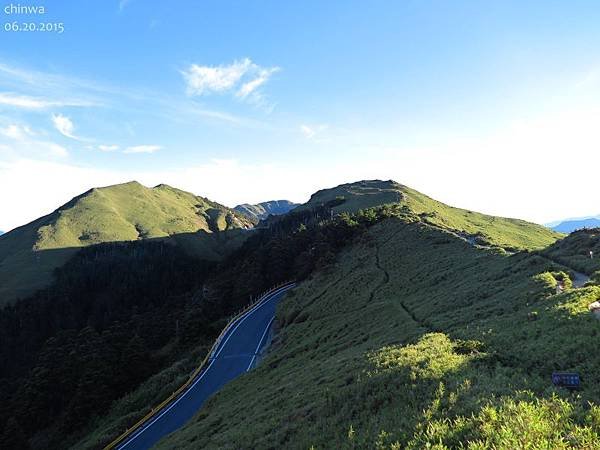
(235, 355)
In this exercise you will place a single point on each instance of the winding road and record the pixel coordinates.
(235, 354)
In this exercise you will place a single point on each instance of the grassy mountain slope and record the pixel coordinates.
(507, 233)
(416, 339)
(124, 212)
(263, 210)
(574, 250)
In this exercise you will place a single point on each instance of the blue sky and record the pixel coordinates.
(491, 106)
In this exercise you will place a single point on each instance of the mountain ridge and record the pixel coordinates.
(511, 234)
(122, 212)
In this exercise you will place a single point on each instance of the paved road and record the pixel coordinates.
(235, 355)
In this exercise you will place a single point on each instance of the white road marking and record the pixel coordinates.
(166, 410)
(242, 319)
(222, 346)
(260, 342)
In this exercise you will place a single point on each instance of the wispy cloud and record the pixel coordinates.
(251, 86)
(242, 78)
(16, 132)
(307, 131)
(310, 131)
(28, 102)
(108, 148)
(142, 149)
(64, 125)
(18, 141)
(52, 89)
(203, 80)
(69, 91)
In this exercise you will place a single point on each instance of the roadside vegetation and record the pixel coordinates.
(415, 339)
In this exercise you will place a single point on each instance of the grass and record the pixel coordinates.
(574, 250)
(124, 212)
(415, 339)
(511, 234)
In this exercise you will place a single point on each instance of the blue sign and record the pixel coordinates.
(569, 380)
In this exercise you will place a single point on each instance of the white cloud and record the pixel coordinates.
(24, 147)
(142, 149)
(16, 132)
(307, 131)
(108, 148)
(64, 125)
(19, 141)
(252, 85)
(310, 131)
(241, 77)
(25, 102)
(55, 149)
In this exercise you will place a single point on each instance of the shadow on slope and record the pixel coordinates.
(26, 271)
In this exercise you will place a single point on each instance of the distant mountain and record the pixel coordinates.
(265, 209)
(124, 212)
(568, 226)
(1, 233)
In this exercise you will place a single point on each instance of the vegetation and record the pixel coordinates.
(125, 212)
(416, 339)
(511, 234)
(121, 316)
(124, 323)
(574, 250)
(116, 314)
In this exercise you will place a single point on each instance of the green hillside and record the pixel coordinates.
(415, 339)
(124, 212)
(511, 234)
(574, 250)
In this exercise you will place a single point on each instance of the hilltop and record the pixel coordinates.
(510, 234)
(265, 209)
(124, 212)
